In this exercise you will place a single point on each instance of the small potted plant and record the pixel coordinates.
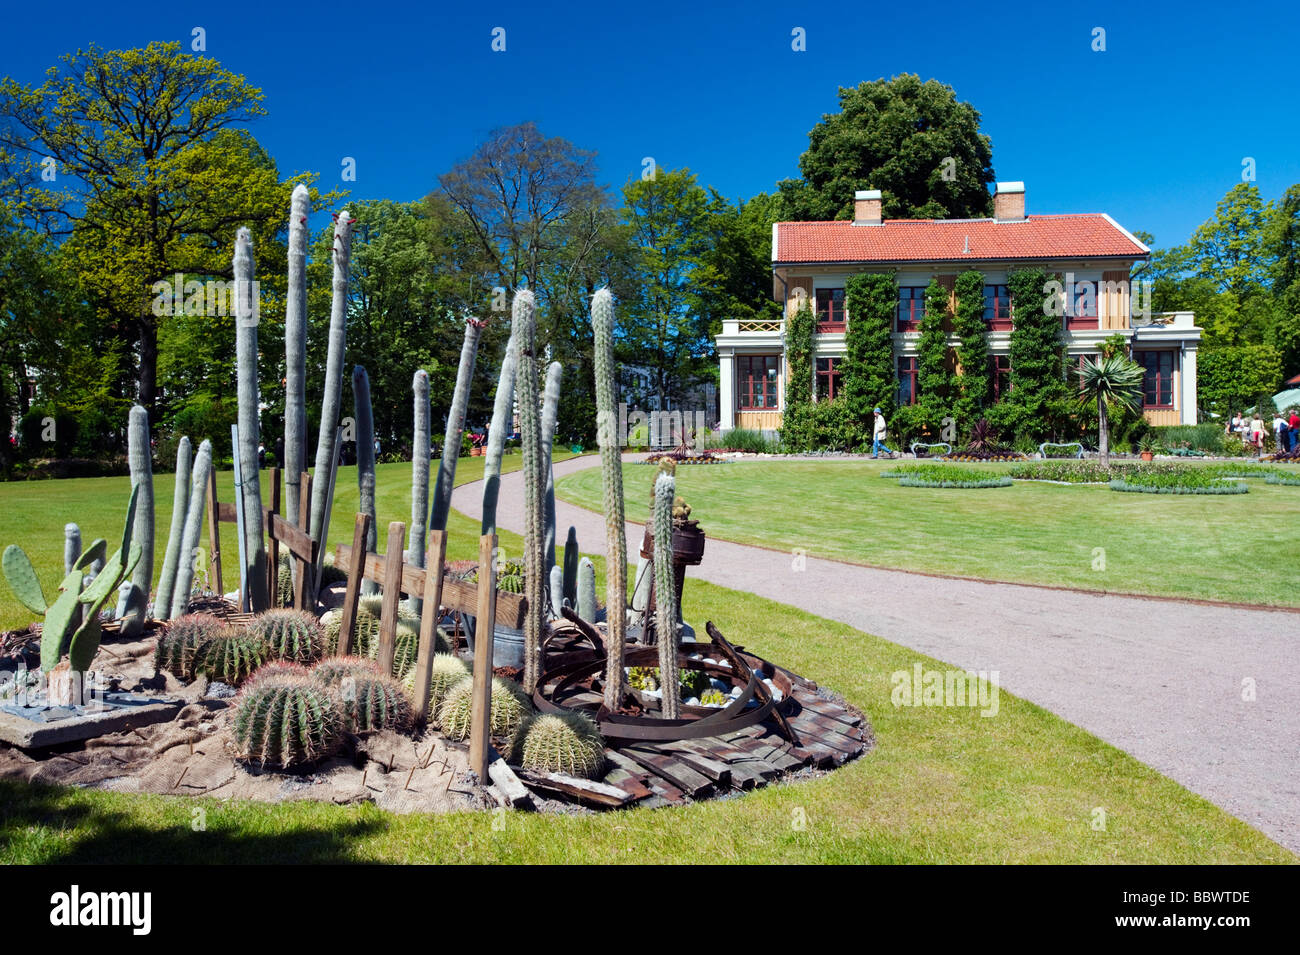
(1148, 446)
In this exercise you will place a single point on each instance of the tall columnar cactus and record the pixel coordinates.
(193, 528)
(140, 457)
(556, 592)
(259, 596)
(502, 409)
(59, 633)
(455, 424)
(162, 604)
(666, 594)
(326, 450)
(602, 326)
(71, 546)
(71, 552)
(571, 567)
(525, 327)
(419, 469)
(365, 430)
(295, 354)
(587, 590)
(550, 411)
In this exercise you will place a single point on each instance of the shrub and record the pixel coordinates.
(743, 439)
(826, 425)
(1279, 478)
(1200, 437)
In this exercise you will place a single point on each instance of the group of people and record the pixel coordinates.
(1286, 429)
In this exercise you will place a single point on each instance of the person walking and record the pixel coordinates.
(1257, 430)
(1279, 432)
(1292, 425)
(878, 434)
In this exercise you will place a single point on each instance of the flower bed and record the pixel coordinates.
(944, 475)
(984, 456)
(1188, 481)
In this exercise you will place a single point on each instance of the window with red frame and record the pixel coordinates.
(1094, 358)
(1083, 307)
(828, 378)
(1000, 373)
(906, 381)
(997, 308)
(1158, 378)
(830, 310)
(911, 308)
(756, 377)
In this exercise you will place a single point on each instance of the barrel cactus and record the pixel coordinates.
(332, 670)
(566, 743)
(180, 641)
(446, 672)
(372, 701)
(289, 634)
(286, 720)
(510, 707)
(230, 656)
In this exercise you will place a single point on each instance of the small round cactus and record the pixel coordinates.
(372, 701)
(286, 720)
(509, 709)
(714, 697)
(332, 670)
(180, 640)
(231, 656)
(289, 634)
(446, 672)
(566, 743)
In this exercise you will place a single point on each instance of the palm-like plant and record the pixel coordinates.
(1114, 381)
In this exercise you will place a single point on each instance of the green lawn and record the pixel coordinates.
(32, 514)
(1238, 548)
(942, 785)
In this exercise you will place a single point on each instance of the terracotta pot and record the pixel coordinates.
(1147, 456)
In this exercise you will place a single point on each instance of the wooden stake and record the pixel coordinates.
(429, 621)
(392, 595)
(484, 625)
(214, 533)
(355, 568)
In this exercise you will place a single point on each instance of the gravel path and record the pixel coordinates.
(1160, 679)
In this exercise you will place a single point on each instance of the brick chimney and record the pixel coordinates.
(866, 207)
(1009, 202)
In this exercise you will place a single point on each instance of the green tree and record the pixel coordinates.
(665, 327)
(1113, 382)
(870, 299)
(1230, 249)
(914, 141)
(974, 383)
(1231, 378)
(152, 177)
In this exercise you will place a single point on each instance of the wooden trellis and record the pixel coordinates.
(438, 592)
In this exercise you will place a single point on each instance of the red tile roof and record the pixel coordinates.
(936, 240)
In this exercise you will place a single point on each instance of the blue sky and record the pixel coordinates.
(1153, 130)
